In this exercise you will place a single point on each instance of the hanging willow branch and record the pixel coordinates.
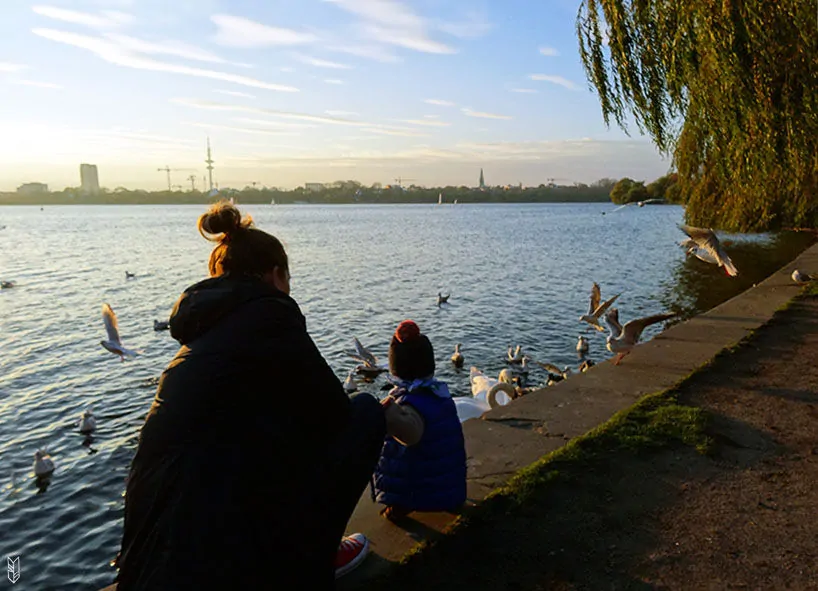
(729, 89)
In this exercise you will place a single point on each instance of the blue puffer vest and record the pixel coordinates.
(430, 475)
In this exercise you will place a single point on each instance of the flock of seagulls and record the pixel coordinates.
(487, 392)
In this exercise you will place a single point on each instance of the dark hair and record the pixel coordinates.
(241, 249)
(411, 355)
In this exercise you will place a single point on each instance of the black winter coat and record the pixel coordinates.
(232, 448)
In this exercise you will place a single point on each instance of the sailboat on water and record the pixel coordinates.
(440, 198)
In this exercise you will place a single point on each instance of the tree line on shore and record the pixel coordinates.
(341, 192)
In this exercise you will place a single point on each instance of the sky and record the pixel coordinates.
(297, 91)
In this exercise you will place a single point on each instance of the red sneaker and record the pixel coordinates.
(351, 552)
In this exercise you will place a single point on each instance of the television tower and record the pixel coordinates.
(209, 162)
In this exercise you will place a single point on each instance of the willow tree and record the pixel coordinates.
(729, 89)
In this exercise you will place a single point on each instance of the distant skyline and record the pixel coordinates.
(297, 91)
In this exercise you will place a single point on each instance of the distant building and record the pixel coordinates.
(89, 179)
(314, 187)
(32, 188)
(482, 180)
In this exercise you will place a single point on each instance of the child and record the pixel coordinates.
(427, 473)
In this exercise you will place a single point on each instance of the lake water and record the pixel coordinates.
(517, 274)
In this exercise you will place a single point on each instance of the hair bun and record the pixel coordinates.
(407, 331)
(222, 218)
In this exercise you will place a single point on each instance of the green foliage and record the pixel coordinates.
(333, 193)
(729, 89)
(628, 191)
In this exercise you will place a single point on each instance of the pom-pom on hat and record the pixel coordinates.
(411, 356)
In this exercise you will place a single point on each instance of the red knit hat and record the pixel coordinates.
(411, 355)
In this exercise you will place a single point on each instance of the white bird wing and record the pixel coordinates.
(596, 296)
(364, 354)
(549, 368)
(622, 207)
(612, 320)
(111, 325)
(633, 329)
(708, 241)
(600, 310)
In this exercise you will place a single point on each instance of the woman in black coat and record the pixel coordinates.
(252, 458)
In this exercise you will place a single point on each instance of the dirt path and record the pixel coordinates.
(744, 516)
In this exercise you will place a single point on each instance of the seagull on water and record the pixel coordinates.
(369, 368)
(114, 343)
(586, 365)
(349, 384)
(161, 325)
(442, 299)
(705, 246)
(43, 464)
(801, 278)
(88, 423)
(555, 374)
(457, 357)
(595, 309)
(582, 345)
(129, 275)
(622, 339)
(515, 358)
(6, 284)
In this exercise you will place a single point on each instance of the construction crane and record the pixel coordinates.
(168, 170)
(400, 180)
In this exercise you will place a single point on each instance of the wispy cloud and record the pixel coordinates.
(549, 51)
(555, 80)
(341, 113)
(397, 132)
(108, 19)
(475, 25)
(333, 81)
(319, 63)
(439, 102)
(8, 67)
(427, 122)
(393, 23)
(287, 69)
(524, 90)
(366, 125)
(431, 116)
(269, 123)
(235, 93)
(373, 52)
(201, 104)
(236, 31)
(116, 54)
(174, 48)
(254, 130)
(482, 115)
(37, 83)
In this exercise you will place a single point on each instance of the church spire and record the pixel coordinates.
(482, 181)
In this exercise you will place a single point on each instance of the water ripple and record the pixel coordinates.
(518, 274)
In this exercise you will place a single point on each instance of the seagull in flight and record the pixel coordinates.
(369, 367)
(622, 339)
(704, 244)
(114, 343)
(595, 310)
